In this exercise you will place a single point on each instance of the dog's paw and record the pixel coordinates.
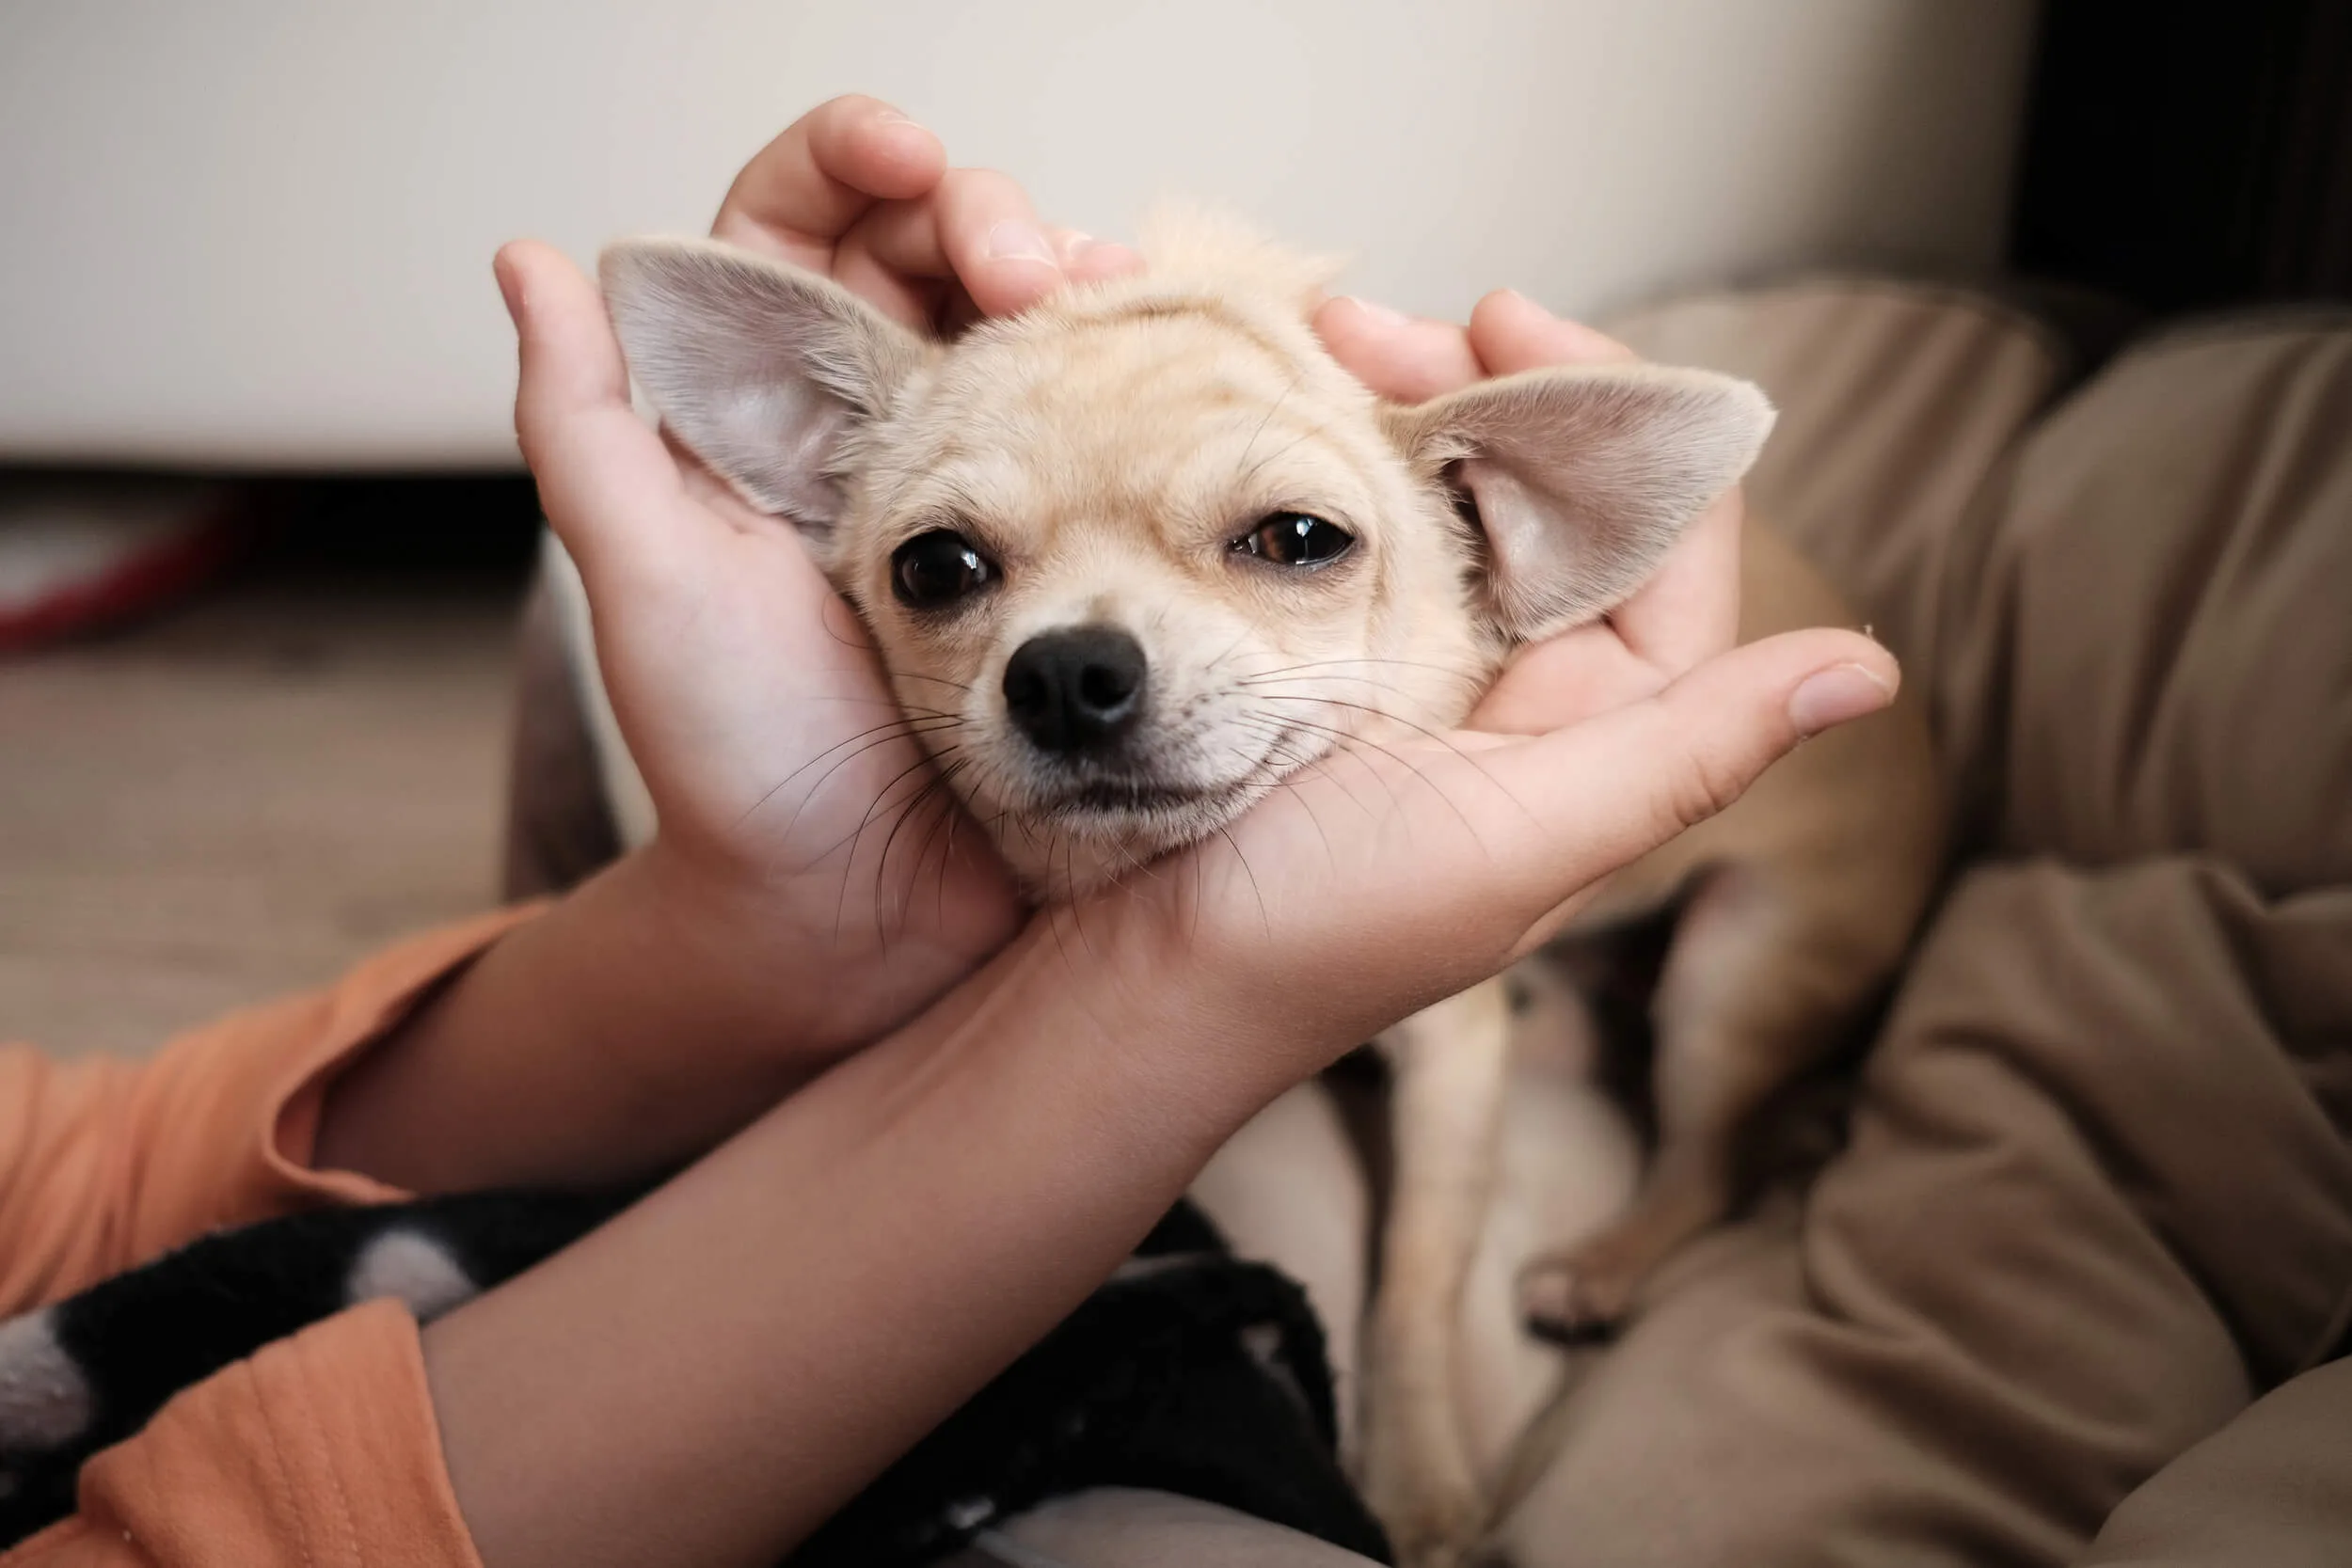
(1576, 1298)
(45, 1402)
(48, 1416)
(1442, 1553)
(1429, 1534)
(1432, 1521)
(413, 1267)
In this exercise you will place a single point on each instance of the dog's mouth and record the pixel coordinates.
(1111, 808)
(1146, 803)
(1125, 797)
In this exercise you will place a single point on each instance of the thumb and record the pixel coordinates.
(607, 483)
(1610, 789)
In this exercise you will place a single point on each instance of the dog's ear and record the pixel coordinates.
(1580, 478)
(760, 368)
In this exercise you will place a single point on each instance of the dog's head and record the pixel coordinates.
(1134, 555)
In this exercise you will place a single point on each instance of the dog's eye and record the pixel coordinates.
(933, 570)
(1296, 539)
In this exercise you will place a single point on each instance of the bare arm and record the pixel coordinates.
(709, 1377)
(633, 1025)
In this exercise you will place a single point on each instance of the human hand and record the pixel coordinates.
(1384, 880)
(671, 999)
(745, 688)
(1688, 610)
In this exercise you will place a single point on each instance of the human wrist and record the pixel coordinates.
(715, 950)
(832, 967)
(625, 1029)
(1148, 1023)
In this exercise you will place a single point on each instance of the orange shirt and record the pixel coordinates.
(322, 1450)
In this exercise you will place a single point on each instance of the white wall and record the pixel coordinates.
(257, 231)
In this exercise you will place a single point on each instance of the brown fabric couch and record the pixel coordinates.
(2070, 1290)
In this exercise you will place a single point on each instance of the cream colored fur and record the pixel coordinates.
(1103, 452)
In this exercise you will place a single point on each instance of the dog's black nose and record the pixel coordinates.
(1075, 689)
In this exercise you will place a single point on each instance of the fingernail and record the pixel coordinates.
(1013, 241)
(890, 114)
(509, 289)
(1383, 314)
(1833, 696)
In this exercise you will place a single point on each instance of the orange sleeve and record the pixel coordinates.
(320, 1453)
(322, 1450)
(106, 1162)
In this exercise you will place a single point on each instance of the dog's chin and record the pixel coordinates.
(1069, 832)
(1069, 842)
(1140, 818)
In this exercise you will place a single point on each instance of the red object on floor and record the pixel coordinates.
(78, 555)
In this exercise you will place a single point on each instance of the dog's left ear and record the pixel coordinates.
(765, 372)
(1582, 478)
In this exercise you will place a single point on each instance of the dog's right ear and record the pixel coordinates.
(761, 370)
(1579, 480)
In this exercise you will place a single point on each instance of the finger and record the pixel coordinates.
(1085, 260)
(995, 244)
(1565, 680)
(1088, 260)
(1688, 609)
(896, 253)
(1608, 790)
(909, 237)
(605, 480)
(1510, 332)
(1403, 358)
(976, 229)
(804, 190)
(904, 236)
(891, 258)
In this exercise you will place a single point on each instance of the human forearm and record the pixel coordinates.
(628, 1028)
(707, 1377)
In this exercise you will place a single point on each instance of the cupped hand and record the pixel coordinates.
(1382, 880)
(1385, 878)
(746, 690)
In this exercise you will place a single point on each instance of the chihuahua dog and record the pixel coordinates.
(1145, 550)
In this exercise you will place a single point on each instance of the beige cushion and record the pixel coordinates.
(2158, 653)
(2270, 1488)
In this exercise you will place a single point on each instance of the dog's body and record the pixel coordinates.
(1134, 556)
(1796, 905)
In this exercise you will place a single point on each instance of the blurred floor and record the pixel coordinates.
(242, 797)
